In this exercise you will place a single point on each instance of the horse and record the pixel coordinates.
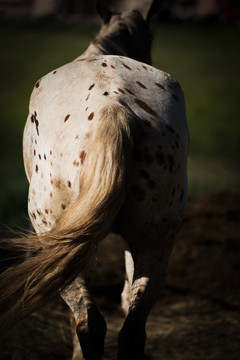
(105, 150)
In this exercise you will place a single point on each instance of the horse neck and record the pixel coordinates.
(101, 46)
(92, 51)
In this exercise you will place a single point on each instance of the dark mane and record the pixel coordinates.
(127, 35)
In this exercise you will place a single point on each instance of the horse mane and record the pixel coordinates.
(133, 38)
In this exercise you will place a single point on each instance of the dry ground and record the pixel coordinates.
(198, 316)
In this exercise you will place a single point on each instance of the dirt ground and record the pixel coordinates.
(198, 316)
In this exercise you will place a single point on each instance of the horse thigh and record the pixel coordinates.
(88, 324)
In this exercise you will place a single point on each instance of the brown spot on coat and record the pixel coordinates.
(91, 86)
(37, 84)
(147, 122)
(126, 66)
(37, 124)
(170, 129)
(63, 206)
(35, 120)
(76, 163)
(36, 168)
(69, 184)
(141, 85)
(145, 107)
(105, 93)
(54, 71)
(58, 183)
(129, 91)
(82, 156)
(87, 97)
(113, 67)
(67, 117)
(160, 86)
(121, 91)
(90, 117)
(104, 64)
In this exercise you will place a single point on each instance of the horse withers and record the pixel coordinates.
(105, 149)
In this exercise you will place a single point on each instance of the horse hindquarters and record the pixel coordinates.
(150, 221)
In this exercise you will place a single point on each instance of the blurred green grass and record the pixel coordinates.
(203, 58)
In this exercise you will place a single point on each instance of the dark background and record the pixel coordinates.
(198, 43)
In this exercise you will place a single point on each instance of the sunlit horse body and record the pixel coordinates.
(105, 148)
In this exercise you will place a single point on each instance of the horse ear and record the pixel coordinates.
(149, 9)
(103, 11)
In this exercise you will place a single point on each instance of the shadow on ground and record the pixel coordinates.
(198, 316)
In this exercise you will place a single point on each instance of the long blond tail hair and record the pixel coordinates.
(65, 251)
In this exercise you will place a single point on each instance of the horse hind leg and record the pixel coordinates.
(142, 294)
(88, 325)
(77, 351)
(125, 296)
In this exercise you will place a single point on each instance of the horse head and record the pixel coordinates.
(126, 33)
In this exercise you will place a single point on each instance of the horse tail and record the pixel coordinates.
(65, 251)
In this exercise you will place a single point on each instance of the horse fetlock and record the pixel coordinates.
(131, 341)
(91, 333)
